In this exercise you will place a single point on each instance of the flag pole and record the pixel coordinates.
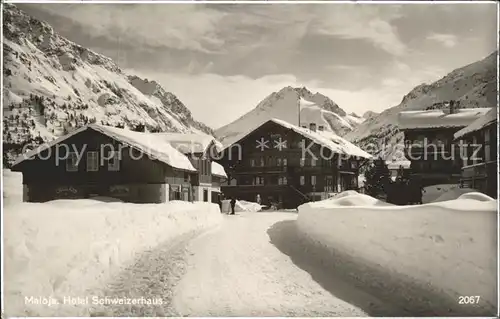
(298, 105)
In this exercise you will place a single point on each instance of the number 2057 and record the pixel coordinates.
(468, 300)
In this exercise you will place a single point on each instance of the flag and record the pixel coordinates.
(301, 104)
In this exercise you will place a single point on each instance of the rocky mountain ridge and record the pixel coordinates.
(53, 86)
(471, 86)
(284, 105)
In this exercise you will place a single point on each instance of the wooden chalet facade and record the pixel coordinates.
(268, 163)
(429, 143)
(97, 160)
(480, 163)
(199, 149)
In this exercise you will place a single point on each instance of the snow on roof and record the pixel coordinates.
(148, 143)
(327, 139)
(398, 164)
(190, 142)
(439, 118)
(218, 170)
(483, 121)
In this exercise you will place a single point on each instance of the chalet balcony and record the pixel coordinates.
(261, 170)
(429, 152)
(480, 170)
(482, 177)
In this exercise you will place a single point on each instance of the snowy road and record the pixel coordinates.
(252, 265)
(238, 270)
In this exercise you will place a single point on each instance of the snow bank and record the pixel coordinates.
(431, 193)
(449, 247)
(241, 206)
(347, 198)
(455, 193)
(12, 187)
(70, 247)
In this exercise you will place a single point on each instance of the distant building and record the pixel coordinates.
(98, 160)
(398, 167)
(480, 165)
(428, 137)
(199, 148)
(282, 163)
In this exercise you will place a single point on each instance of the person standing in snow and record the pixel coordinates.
(219, 201)
(233, 204)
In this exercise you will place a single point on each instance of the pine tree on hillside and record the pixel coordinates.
(378, 177)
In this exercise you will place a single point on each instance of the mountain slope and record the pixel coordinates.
(284, 105)
(53, 86)
(471, 86)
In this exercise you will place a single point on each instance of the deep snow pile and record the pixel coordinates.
(12, 187)
(431, 193)
(449, 246)
(348, 198)
(70, 247)
(442, 192)
(455, 193)
(240, 206)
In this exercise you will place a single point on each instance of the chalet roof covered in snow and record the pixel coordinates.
(190, 142)
(152, 145)
(327, 139)
(485, 120)
(439, 118)
(218, 170)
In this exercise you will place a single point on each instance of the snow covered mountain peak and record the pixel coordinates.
(284, 105)
(53, 86)
(471, 86)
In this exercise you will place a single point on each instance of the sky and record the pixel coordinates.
(221, 60)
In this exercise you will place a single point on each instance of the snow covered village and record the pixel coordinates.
(250, 160)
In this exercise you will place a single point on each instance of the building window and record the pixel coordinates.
(259, 180)
(285, 162)
(313, 161)
(278, 161)
(302, 162)
(354, 164)
(440, 139)
(252, 162)
(92, 162)
(329, 183)
(302, 180)
(282, 180)
(186, 177)
(313, 180)
(312, 126)
(72, 162)
(321, 128)
(262, 161)
(114, 163)
(487, 153)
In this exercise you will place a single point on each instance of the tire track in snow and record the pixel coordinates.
(236, 271)
(153, 275)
